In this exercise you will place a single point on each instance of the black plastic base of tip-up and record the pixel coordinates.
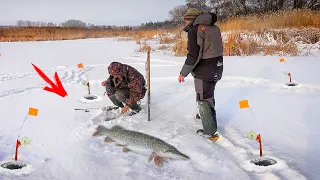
(13, 165)
(292, 84)
(264, 162)
(90, 97)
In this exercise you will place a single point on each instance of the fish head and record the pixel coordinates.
(100, 131)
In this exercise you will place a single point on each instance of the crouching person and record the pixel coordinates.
(125, 87)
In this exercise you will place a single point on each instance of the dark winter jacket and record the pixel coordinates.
(205, 50)
(131, 80)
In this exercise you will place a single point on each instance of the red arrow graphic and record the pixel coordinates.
(56, 88)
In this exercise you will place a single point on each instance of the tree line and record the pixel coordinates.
(230, 8)
(167, 24)
(223, 8)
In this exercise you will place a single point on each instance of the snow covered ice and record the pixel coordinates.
(62, 146)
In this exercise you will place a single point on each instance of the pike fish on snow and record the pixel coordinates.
(129, 140)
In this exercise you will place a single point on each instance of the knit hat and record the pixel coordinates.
(191, 13)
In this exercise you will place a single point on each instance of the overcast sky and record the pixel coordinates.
(99, 12)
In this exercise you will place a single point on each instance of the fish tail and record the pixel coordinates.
(100, 130)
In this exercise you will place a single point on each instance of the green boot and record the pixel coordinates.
(208, 118)
(135, 109)
(116, 103)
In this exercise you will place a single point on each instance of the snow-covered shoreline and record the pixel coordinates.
(62, 146)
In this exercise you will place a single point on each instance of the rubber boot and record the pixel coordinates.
(121, 95)
(214, 118)
(208, 118)
(116, 102)
(135, 109)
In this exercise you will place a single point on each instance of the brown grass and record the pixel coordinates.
(164, 39)
(277, 20)
(60, 33)
(144, 47)
(180, 44)
(253, 43)
(235, 46)
(164, 47)
(285, 27)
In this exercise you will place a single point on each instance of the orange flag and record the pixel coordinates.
(243, 104)
(33, 111)
(281, 59)
(80, 65)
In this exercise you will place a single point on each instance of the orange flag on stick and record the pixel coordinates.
(281, 59)
(80, 65)
(33, 111)
(243, 104)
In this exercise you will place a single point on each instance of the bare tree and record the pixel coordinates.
(227, 8)
(297, 4)
(201, 5)
(73, 23)
(51, 24)
(20, 23)
(176, 15)
(310, 4)
(314, 4)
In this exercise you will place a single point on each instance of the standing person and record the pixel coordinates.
(205, 62)
(124, 85)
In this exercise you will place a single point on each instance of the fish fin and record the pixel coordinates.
(108, 139)
(151, 157)
(115, 127)
(98, 130)
(96, 133)
(158, 161)
(125, 149)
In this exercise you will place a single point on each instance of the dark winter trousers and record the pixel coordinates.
(120, 96)
(206, 104)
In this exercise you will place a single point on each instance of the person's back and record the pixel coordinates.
(134, 74)
(210, 65)
(208, 36)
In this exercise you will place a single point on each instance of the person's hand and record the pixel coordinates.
(103, 83)
(124, 109)
(181, 78)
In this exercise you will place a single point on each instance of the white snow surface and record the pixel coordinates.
(62, 145)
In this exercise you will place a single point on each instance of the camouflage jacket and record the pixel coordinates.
(131, 80)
